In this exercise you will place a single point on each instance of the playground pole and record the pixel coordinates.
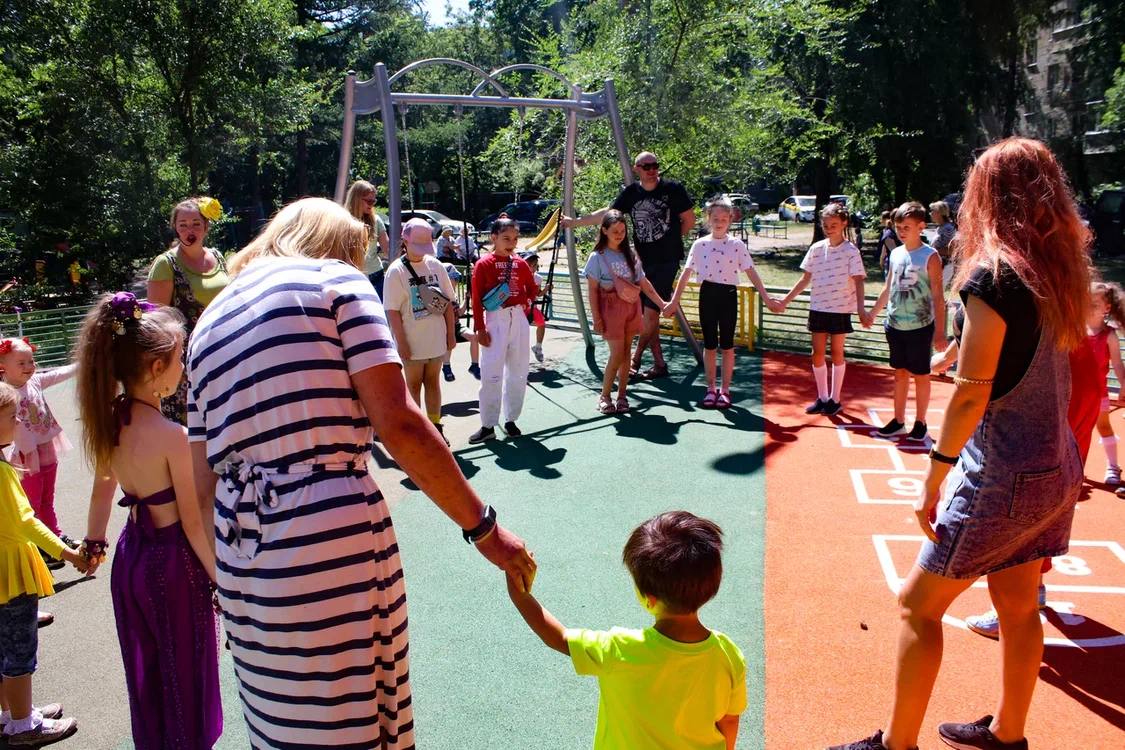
(390, 141)
(346, 138)
(568, 209)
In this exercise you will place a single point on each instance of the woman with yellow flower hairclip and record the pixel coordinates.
(187, 277)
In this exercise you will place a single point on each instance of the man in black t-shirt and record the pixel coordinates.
(662, 215)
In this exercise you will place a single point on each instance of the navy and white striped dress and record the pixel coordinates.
(309, 575)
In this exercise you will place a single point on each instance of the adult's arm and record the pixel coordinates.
(590, 219)
(160, 292)
(419, 450)
(978, 358)
(687, 222)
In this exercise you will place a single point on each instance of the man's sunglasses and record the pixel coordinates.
(649, 166)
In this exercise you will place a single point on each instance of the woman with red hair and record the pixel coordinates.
(1010, 459)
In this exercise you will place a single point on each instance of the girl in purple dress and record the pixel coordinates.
(130, 356)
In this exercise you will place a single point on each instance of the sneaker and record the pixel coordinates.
(918, 432)
(70, 541)
(976, 736)
(47, 733)
(484, 433)
(537, 350)
(447, 373)
(512, 430)
(831, 408)
(474, 370)
(817, 407)
(891, 429)
(43, 619)
(988, 624)
(1113, 475)
(441, 431)
(874, 742)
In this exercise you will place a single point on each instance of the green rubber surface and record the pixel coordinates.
(574, 487)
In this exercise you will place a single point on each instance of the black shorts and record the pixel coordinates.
(827, 322)
(662, 276)
(911, 350)
(718, 313)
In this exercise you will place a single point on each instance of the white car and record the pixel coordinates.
(797, 208)
(437, 221)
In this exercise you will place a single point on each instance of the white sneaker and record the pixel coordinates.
(1113, 476)
(988, 624)
(537, 350)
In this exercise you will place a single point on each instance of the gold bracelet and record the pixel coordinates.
(957, 380)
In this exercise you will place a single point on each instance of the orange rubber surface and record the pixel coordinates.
(840, 534)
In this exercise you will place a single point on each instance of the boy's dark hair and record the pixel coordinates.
(911, 210)
(676, 557)
(503, 224)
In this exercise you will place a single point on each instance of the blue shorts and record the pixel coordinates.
(19, 635)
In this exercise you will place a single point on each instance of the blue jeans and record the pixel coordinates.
(19, 635)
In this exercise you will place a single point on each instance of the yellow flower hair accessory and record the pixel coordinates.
(210, 209)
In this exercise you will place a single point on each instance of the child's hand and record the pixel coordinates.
(774, 306)
(514, 592)
(940, 342)
(404, 350)
(77, 560)
(670, 309)
(599, 327)
(484, 338)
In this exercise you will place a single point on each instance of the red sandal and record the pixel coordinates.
(709, 400)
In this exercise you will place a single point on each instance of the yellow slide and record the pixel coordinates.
(546, 235)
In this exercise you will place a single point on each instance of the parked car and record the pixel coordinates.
(797, 208)
(744, 206)
(530, 215)
(436, 220)
(1107, 220)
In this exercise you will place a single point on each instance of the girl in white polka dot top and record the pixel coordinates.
(718, 261)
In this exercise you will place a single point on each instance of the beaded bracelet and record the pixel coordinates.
(93, 550)
(958, 380)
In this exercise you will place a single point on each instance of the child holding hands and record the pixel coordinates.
(677, 683)
(39, 439)
(718, 259)
(130, 357)
(915, 321)
(834, 267)
(616, 280)
(24, 578)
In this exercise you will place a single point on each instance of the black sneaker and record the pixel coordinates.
(831, 408)
(474, 370)
(918, 432)
(512, 430)
(484, 433)
(976, 736)
(874, 742)
(441, 431)
(891, 429)
(817, 407)
(447, 372)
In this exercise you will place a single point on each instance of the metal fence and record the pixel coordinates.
(52, 331)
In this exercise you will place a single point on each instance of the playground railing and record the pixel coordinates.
(52, 331)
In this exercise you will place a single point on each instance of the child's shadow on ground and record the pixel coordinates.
(527, 454)
(652, 428)
(1092, 677)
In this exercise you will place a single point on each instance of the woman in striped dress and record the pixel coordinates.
(290, 367)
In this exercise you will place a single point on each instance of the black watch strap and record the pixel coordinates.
(942, 458)
(487, 523)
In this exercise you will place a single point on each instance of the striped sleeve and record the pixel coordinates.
(360, 321)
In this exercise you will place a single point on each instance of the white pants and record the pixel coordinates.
(504, 365)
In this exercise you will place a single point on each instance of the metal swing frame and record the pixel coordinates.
(376, 95)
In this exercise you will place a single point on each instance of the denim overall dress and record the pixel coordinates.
(1012, 494)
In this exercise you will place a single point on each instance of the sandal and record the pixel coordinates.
(709, 400)
(605, 406)
(723, 402)
(622, 405)
(655, 372)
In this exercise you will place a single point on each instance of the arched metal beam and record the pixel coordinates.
(574, 90)
(480, 72)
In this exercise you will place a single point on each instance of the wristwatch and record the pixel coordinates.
(482, 529)
(942, 458)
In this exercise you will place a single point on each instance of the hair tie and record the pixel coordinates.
(124, 307)
(210, 209)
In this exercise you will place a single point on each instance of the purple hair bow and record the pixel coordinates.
(125, 307)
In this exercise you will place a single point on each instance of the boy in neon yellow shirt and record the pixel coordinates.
(675, 685)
